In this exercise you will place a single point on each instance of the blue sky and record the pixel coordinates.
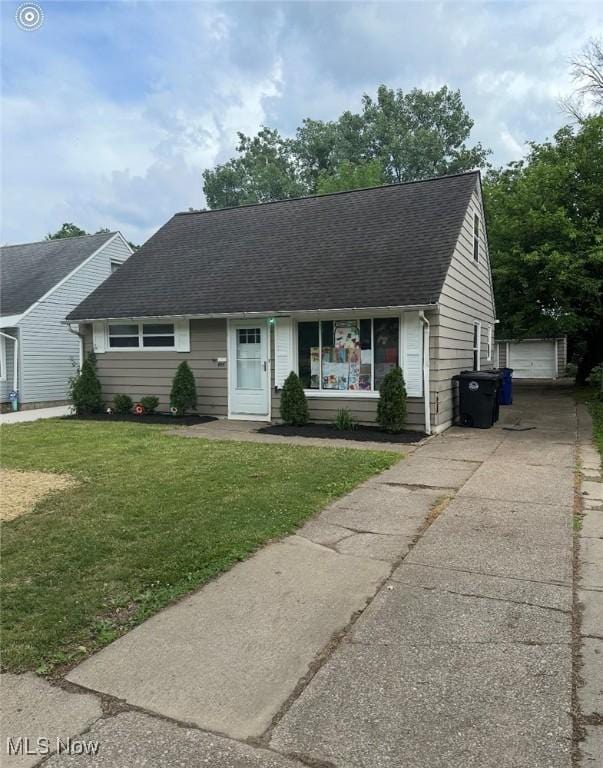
(111, 110)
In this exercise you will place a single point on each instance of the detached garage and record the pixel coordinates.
(533, 358)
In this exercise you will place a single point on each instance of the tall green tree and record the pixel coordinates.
(420, 133)
(265, 170)
(395, 137)
(349, 176)
(71, 230)
(67, 230)
(545, 230)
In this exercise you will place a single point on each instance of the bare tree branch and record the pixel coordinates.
(587, 71)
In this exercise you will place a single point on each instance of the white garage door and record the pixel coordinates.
(532, 359)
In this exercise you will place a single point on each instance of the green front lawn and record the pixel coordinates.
(590, 396)
(152, 518)
(596, 409)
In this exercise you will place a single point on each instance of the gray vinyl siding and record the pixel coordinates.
(6, 384)
(49, 352)
(561, 356)
(466, 297)
(144, 372)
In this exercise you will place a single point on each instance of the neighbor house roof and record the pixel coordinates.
(379, 247)
(30, 270)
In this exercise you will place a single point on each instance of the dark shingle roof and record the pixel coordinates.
(30, 270)
(379, 247)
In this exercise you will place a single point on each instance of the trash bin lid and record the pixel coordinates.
(484, 375)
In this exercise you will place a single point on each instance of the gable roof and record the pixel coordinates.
(378, 247)
(30, 270)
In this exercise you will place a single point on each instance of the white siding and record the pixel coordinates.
(50, 352)
(466, 296)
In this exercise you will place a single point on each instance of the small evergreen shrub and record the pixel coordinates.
(183, 396)
(85, 388)
(344, 420)
(391, 409)
(149, 403)
(294, 406)
(122, 404)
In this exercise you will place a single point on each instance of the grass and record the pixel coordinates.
(153, 517)
(590, 396)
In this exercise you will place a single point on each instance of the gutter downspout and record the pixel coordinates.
(426, 392)
(81, 338)
(15, 341)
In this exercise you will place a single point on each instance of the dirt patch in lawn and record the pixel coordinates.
(22, 490)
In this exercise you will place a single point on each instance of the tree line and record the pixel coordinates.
(543, 213)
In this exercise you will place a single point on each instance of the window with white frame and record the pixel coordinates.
(141, 335)
(475, 237)
(115, 265)
(347, 355)
(489, 344)
(477, 343)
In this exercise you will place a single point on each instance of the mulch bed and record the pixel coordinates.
(156, 418)
(361, 433)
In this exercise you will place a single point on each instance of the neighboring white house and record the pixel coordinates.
(40, 284)
(533, 358)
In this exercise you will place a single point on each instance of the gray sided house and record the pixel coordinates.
(40, 284)
(338, 288)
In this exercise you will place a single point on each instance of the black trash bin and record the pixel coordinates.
(478, 398)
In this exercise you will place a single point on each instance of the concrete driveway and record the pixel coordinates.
(423, 620)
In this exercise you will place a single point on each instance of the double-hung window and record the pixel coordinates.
(347, 355)
(141, 335)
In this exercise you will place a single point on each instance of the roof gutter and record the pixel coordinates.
(15, 341)
(426, 389)
(266, 313)
(81, 338)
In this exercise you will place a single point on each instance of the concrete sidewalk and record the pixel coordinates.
(34, 414)
(423, 620)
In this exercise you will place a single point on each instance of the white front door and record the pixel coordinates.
(248, 369)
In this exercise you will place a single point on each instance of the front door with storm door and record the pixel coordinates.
(249, 386)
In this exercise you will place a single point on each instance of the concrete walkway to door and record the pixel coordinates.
(422, 621)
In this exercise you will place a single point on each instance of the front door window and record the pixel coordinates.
(249, 358)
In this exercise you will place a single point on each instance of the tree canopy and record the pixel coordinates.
(546, 240)
(395, 137)
(72, 230)
(67, 230)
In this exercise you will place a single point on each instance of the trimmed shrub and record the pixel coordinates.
(122, 403)
(391, 409)
(183, 396)
(344, 420)
(294, 406)
(85, 388)
(149, 403)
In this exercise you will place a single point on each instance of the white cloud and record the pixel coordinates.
(112, 111)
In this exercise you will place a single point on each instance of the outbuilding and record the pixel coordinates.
(533, 358)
